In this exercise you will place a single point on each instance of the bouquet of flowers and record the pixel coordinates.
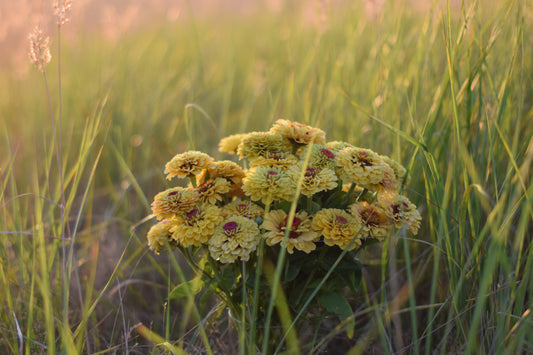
(289, 221)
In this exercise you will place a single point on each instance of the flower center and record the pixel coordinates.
(341, 220)
(310, 172)
(328, 153)
(230, 228)
(364, 159)
(173, 193)
(274, 155)
(192, 213)
(370, 217)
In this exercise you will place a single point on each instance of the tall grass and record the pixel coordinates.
(448, 92)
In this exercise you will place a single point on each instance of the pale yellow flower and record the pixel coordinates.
(230, 143)
(246, 209)
(401, 211)
(361, 166)
(388, 183)
(274, 159)
(187, 164)
(399, 170)
(173, 201)
(160, 234)
(301, 236)
(260, 144)
(211, 191)
(314, 180)
(321, 157)
(299, 133)
(337, 146)
(338, 228)
(196, 226)
(373, 219)
(268, 184)
(236, 237)
(225, 169)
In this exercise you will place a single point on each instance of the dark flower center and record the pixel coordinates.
(310, 172)
(364, 159)
(192, 213)
(328, 153)
(230, 228)
(274, 155)
(341, 220)
(173, 193)
(272, 173)
(370, 217)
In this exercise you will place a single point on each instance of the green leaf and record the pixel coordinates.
(335, 302)
(193, 286)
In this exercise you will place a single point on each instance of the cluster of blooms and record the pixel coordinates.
(346, 195)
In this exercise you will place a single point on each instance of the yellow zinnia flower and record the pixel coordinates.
(173, 201)
(236, 237)
(158, 234)
(187, 164)
(274, 159)
(267, 184)
(260, 144)
(196, 226)
(401, 211)
(338, 228)
(299, 133)
(230, 143)
(321, 157)
(211, 190)
(361, 166)
(399, 170)
(373, 219)
(337, 146)
(314, 180)
(301, 236)
(246, 209)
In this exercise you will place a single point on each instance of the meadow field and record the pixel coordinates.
(446, 89)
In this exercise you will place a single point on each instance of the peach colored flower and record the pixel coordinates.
(187, 164)
(230, 143)
(173, 201)
(299, 133)
(361, 166)
(373, 219)
(160, 234)
(246, 209)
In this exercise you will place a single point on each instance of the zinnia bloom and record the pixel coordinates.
(399, 170)
(173, 201)
(321, 157)
(338, 228)
(373, 219)
(401, 211)
(337, 146)
(274, 159)
(267, 184)
(361, 166)
(236, 237)
(301, 236)
(299, 133)
(197, 225)
(211, 190)
(187, 164)
(158, 234)
(246, 209)
(388, 183)
(230, 143)
(260, 144)
(225, 169)
(314, 180)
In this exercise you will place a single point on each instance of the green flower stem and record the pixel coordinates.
(365, 190)
(309, 204)
(349, 194)
(251, 349)
(192, 179)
